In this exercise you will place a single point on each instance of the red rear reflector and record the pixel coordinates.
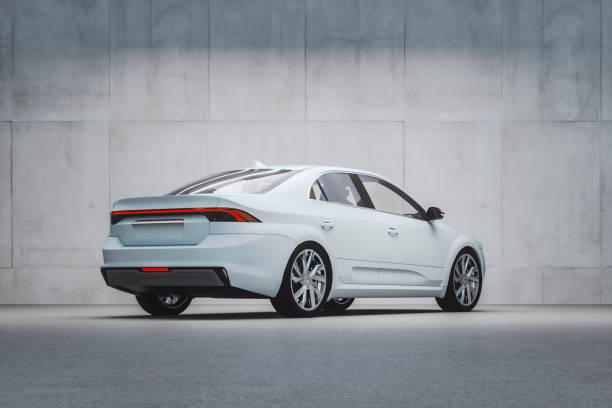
(155, 269)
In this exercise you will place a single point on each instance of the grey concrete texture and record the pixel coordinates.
(354, 59)
(60, 60)
(542, 197)
(5, 192)
(6, 63)
(552, 54)
(60, 193)
(494, 110)
(257, 60)
(389, 356)
(606, 194)
(236, 144)
(453, 60)
(169, 155)
(606, 59)
(159, 60)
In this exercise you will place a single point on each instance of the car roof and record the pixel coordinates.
(314, 168)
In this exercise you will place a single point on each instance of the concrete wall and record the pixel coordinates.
(498, 111)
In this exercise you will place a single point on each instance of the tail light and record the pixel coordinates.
(213, 214)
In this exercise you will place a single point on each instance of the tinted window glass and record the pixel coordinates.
(339, 188)
(385, 197)
(316, 193)
(249, 181)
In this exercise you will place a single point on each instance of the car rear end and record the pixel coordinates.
(195, 244)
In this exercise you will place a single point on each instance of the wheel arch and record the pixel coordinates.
(325, 252)
(463, 244)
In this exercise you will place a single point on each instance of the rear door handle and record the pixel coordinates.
(392, 231)
(327, 225)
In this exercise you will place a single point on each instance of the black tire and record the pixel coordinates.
(337, 305)
(284, 302)
(153, 304)
(453, 302)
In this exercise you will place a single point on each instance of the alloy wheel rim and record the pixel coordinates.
(308, 280)
(171, 300)
(466, 280)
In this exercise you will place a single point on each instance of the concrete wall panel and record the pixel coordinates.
(455, 166)
(368, 146)
(550, 194)
(159, 60)
(233, 145)
(493, 287)
(60, 193)
(257, 59)
(551, 59)
(606, 286)
(606, 194)
(606, 62)
(453, 60)
(61, 49)
(572, 286)
(59, 285)
(6, 286)
(6, 59)
(6, 239)
(523, 286)
(355, 59)
(155, 158)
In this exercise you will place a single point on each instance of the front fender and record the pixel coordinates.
(461, 242)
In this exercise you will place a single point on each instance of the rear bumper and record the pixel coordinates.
(212, 282)
(228, 265)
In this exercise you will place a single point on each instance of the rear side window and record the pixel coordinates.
(337, 188)
(246, 181)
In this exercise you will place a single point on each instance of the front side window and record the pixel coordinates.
(386, 197)
(246, 181)
(337, 188)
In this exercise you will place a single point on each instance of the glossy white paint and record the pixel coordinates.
(372, 253)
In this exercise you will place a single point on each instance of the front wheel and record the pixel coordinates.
(306, 282)
(464, 285)
(163, 304)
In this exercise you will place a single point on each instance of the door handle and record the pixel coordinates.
(392, 231)
(327, 225)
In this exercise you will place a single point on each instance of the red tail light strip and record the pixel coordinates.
(238, 215)
(155, 269)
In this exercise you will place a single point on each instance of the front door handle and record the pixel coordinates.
(392, 231)
(327, 225)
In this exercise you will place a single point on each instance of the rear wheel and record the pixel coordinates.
(464, 284)
(306, 282)
(339, 304)
(163, 304)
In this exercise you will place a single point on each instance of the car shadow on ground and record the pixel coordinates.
(272, 315)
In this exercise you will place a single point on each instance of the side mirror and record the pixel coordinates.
(434, 213)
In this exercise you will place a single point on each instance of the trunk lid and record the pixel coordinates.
(162, 229)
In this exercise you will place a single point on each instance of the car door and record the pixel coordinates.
(344, 213)
(415, 250)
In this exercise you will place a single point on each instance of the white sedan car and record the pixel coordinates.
(307, 238)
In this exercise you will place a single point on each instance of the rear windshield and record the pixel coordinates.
(249, 181)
